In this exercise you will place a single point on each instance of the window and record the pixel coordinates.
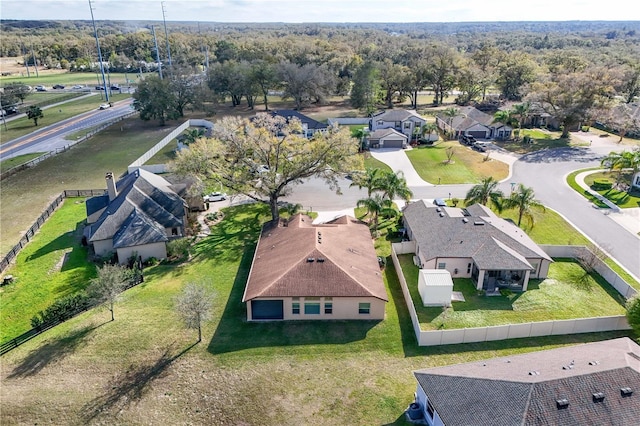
(364, 308)
(430, 409)
(442, 266)
(407, 125)
(312, 308)
(468, 268)
(174, 231)
(398, 124)
(295, 308)
(328, 308)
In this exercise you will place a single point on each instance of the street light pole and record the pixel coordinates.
(166, 35)
(95, 32)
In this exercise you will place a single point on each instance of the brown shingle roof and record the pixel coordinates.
(348, 266)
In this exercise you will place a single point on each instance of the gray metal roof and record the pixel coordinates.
(492, 242)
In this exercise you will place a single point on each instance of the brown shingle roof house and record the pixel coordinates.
(302, 271)
(594, 383)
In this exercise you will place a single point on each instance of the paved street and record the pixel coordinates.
(545, 171)
(51, 137)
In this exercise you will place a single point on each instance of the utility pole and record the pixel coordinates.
(155, 40)
(95, 32)
(33, 55)
(166, 35)
(26, 65)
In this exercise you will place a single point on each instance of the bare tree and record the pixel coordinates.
(194, 305)
(108, 285)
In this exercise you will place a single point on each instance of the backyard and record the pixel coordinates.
(567, 293)
(467, 165)
(144, 367)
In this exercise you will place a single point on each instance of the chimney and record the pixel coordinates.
(111, 186)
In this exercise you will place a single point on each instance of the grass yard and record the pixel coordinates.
(468, 165)
(23, 126)
(12, 162)
(49, 78)
(542, 139)
(567, 293)
(622, 199)
(571, 181)
(144, 367)
(372, 163)
(52, 266)
(82, 167)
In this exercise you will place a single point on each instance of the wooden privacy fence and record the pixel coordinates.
(26, 238)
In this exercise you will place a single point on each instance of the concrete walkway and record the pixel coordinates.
(627, 218)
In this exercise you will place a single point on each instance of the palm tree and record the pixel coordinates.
(377, 205)
(622, 160)
(394, 185)
(428, 129)
(450, 113)
(369, 179)
(505, 116)
(522, 112)
(524, 200)
(486, 191)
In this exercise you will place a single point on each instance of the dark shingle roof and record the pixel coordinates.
(310, 122)
(349, 267)
(96, 203)
(144, 199)
(381, 133)
(397, 115)
(468, 116)
(501, 391)
(492, 242)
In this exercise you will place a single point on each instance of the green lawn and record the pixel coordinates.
(23, 126)
(372, 163)
(567, 293)
(67, 79)
(468, 165)
(143, 367)
(12, 162)
(542, 139)
(82, 167)
(53, 265)
(571, 181)
(622, 199)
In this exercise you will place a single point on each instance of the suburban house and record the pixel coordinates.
(138, 215)
(302, 271)
(407, 122)
(474, 243)
(387, 138)
(309, 125)
(594, 383)
(470, 121)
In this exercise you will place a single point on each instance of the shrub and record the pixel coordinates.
(633, 313)
(602, 183)
(179, 247)
(527, 139)
(62, 309)
(584, 128)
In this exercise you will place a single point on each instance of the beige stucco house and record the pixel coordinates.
(138, 215)
(302, 271)
(474, 243)
(387, 138)
(407, 122)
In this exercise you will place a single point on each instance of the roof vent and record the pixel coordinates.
(320, 259)
(438, 209)
(562, 403)
(626, 391)
(594, 362)
(465, 212)
(478, 222)
(534, 373)
(310, 259)
(598, 397)
(465, 220)
(567, 367)
(441, 214)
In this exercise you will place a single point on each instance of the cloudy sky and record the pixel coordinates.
(324, 10)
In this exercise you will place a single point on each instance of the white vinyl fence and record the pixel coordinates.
(514, 331)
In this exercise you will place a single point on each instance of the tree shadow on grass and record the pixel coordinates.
(51, 352)
(130, 386)
(68, 240)
(235, 333)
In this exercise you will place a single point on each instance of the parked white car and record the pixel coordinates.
(215, 196)
(104, 106)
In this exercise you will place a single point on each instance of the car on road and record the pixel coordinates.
(215, 196)
(58, 86)
(99, 88)
(480, 146)
(77, 86)
(114, 87)
(104, 106)
(40, 89)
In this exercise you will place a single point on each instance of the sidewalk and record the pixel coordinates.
(627, 218)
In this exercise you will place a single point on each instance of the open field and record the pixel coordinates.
(567, 293)
(12, 162)
(82, 167)
(23, 126)
(144, 368)
(48, 78)
(468, 166)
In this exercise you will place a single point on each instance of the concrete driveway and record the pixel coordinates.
(397, 159)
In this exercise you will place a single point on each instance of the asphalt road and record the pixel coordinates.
(545, 171)
(51, 137)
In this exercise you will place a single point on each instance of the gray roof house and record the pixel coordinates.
(138, 215)
(387, 138)
(309, 125)
(407, 122)
(594, 383)
(473, 122)
(474, 243)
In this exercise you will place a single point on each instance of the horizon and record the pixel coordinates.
(316, 12)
